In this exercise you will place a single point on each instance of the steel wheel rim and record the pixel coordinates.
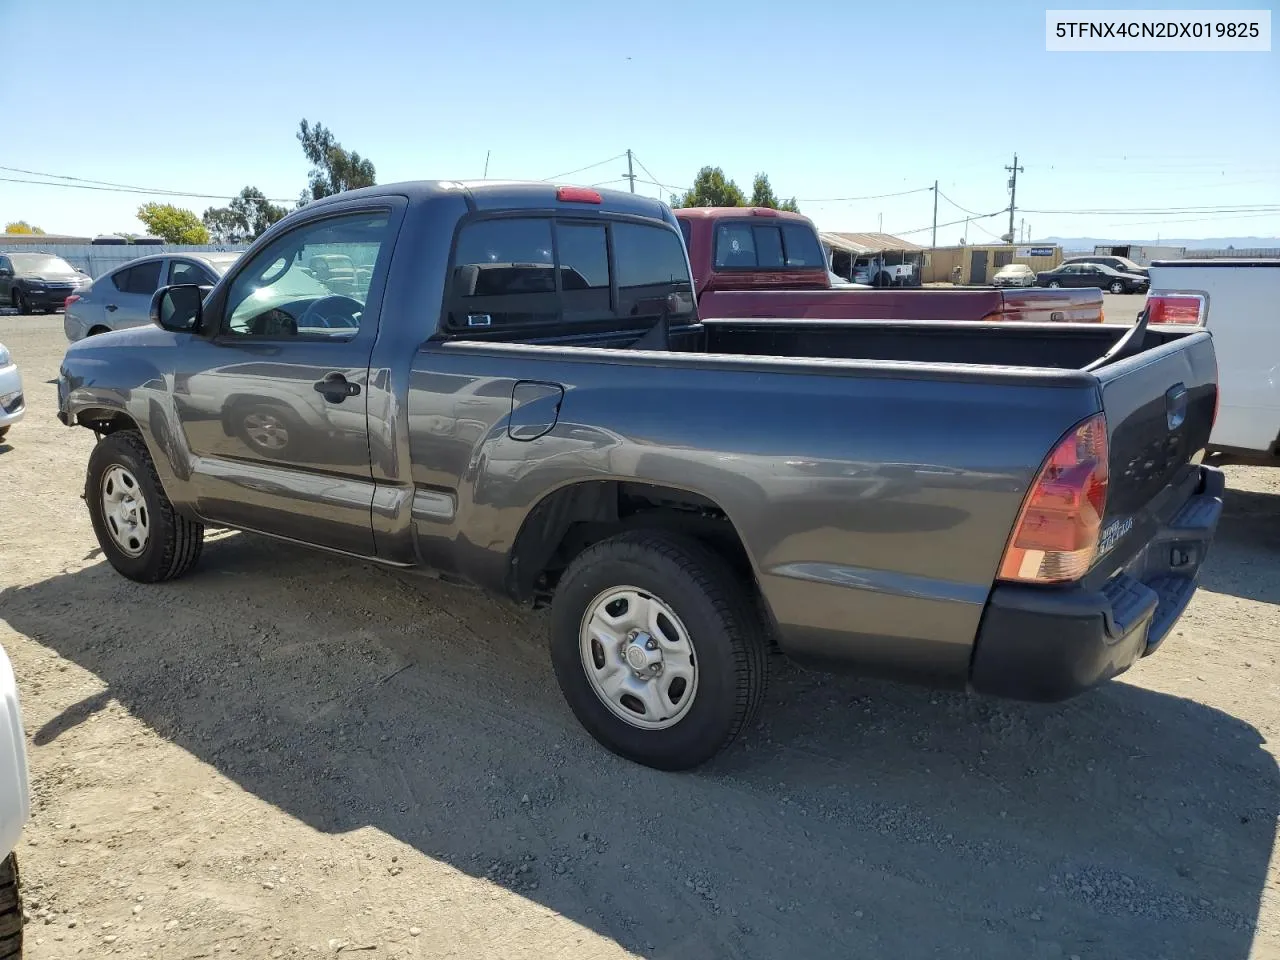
(125, 511)
(266, 431)
(638, 657)
(1117, 288)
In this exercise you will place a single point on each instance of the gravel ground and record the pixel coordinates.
(287, 754)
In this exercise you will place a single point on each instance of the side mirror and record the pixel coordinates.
(179, 308)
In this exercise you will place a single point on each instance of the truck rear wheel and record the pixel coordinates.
(658, 648)
(10, 910)
(140, 533)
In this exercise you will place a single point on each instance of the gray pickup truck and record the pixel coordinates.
(509, 384)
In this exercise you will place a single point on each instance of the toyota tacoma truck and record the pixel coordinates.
(523, 395)
(761, 262)
(15, 810)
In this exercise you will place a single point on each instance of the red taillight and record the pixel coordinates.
(1183, 308)
(70, 300)
(1056, 536)
(578, 195)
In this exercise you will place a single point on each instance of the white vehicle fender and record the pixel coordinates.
(15, 797)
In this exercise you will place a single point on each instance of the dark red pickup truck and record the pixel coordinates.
(757, 262)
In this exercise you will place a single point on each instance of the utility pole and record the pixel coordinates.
(1013, 191)
(934, 242)
(631, 174)
(1022, 230)
(880, 224)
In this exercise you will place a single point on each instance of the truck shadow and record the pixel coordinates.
(858, 818)
(1243, 558)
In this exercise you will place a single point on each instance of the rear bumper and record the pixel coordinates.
(47, 299)
(1050, 643)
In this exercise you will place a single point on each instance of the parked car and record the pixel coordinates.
(1123, 264)
(685, 494)
(1235, 300)
(37, 282)
(122, 298)
(15, 809)
(1014, 275)
(761, 262)
(13, 405)
(1092, 275)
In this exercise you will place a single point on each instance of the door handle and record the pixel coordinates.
(336, 388)
(112, 308)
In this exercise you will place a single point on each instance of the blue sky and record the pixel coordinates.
(831, 100)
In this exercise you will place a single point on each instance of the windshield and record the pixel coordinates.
(40, 263)
(220, 263)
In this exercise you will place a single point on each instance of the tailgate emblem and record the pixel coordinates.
(1112, 534)
(1175, 405)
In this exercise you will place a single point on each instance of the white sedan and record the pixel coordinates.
(1014, 275)
(12, 404)
(15, 808)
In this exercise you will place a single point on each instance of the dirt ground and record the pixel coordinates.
(286, 754)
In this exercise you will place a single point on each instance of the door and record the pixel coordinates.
(127, 293)
(978, 266)
(272, 398)
(1003, 258)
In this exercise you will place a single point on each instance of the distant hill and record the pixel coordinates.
(1204, 243)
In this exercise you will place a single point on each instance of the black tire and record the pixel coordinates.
(174, 542)
(10, 910)
(19, 302)
(4, 432)
(1054, 284)
(1117, 286)
(730, 644)
(97, 330)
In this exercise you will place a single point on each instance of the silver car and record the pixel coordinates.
(122, 298)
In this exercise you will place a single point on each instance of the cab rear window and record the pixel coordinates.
(748, 245)
(545, 271)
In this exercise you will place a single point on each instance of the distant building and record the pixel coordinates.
(978, 263)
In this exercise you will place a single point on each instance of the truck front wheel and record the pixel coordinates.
(658, 648)
(140, 533)
(10, 910)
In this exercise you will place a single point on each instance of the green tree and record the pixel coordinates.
(762, 195)
(333, 169)
(21, 226)
(172, 224)
(711, 189)
(244, 219)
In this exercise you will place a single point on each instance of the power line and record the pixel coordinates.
(589, 166)
(984, 216)
(874, 196)
(135, 190)
(1156, 211)
(119, 187)
(652, 179)
(957, 206)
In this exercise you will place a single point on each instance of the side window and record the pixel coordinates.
(768, 247)
(504, 274)
(801, 243)
(735, 246)
(4, 264)
(184, 271)
(311, 282)
(583, 253)
(686, 231)
(651, 265)
(141, 278)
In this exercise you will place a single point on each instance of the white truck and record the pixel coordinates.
(1238, 301)
(15, 809)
